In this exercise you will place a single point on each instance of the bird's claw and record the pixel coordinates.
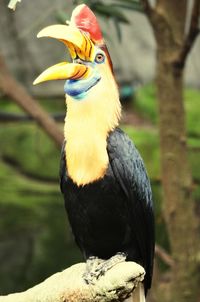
(96, 267)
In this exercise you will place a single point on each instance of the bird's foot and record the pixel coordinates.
(96, 267)
(91, 264)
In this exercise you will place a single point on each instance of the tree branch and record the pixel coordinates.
(146, 6)
(163, 255)
(149, 11)
(7, 117)
(19, 95)
(116, 285)
(191, 36)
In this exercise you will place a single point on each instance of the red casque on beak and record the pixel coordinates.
(84, 19)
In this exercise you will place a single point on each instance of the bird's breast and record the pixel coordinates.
(98, 215)
(87, 159)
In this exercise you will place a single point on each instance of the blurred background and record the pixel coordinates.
(35, 238)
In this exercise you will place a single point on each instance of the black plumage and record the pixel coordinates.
(114, 214)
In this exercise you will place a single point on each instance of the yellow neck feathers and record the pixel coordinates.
(87, 125)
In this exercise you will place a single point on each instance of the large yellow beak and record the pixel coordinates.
(79, 45)
(64, 71)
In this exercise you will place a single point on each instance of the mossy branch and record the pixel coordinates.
(68, 285)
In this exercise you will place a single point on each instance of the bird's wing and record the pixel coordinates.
(129, 170)
(63, 169)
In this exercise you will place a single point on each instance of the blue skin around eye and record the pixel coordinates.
(78, 88)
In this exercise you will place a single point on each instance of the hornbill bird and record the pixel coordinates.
(106, 189)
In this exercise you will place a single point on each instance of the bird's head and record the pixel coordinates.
(93, 106)
(91, 66)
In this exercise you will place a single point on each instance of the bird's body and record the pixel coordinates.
(97, 213)
(113, 214)
(106, 189)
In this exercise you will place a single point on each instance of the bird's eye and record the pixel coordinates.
(99, 58)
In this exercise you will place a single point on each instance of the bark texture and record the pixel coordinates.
(168, 20)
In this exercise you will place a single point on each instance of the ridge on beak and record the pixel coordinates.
(79, 45)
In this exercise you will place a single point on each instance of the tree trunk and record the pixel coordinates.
(169, 26)
(176, 178)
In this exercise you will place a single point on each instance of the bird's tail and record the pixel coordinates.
(138, 294)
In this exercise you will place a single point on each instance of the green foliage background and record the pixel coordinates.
(35, 238)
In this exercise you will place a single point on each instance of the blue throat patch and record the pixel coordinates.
(78, 89)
